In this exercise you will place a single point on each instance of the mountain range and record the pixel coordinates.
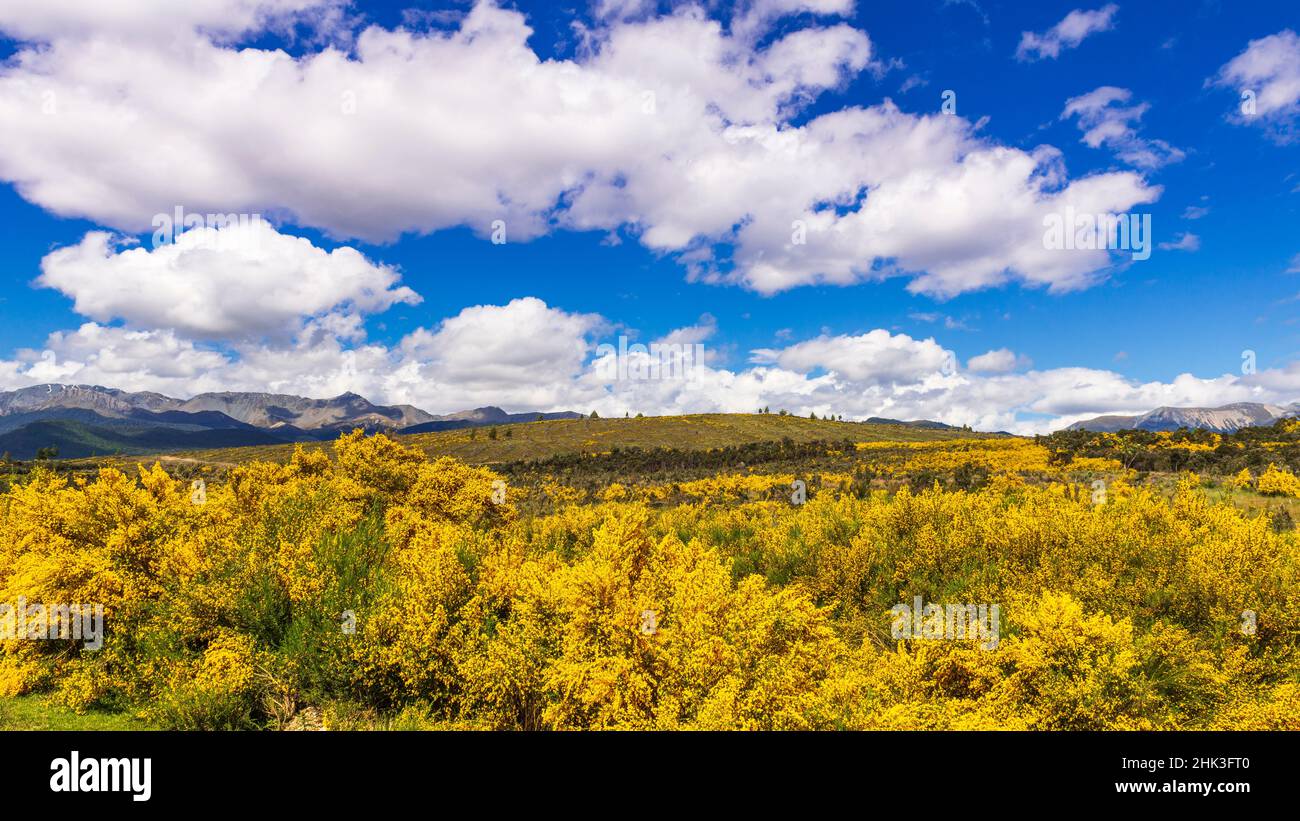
(1225, 419)
(86, 420)
(89, 420)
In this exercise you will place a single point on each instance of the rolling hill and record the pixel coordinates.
(74, 439)
(539, 440)
(484, 416)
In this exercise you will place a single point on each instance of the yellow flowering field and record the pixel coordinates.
(385, 588)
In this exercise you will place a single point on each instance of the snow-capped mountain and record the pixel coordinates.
(1225, 419)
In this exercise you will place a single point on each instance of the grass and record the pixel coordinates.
(39, 712)
(1251, 501)
(538, 440)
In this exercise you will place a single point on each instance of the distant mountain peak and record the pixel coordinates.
(1222, 419)
(93, 419)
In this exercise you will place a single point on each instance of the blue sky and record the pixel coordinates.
(1117, 336)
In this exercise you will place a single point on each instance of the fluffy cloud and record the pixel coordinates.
(220, 283)
(526, 355)
(953, 226)
(872, 359)
(673, 129)
(879, 374)
(1067, 34)
(1002, 360)
(698, 333)
(520, 355)
(1106, 121)
(683, 132)
(152, 19)
(620, 10)
(1267, 75)
(756, 15)
(523, 354)
(131, 360)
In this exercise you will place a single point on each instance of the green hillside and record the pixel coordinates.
(539, 440)
(78, 440)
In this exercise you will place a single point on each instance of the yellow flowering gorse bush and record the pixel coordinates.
(383, 584)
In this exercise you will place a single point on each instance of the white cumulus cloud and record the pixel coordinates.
(1002, 360)
(527, 355)
(1107, 121)
(1267, 76)
(675, 129)
(1076, 26)
(227, 283)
